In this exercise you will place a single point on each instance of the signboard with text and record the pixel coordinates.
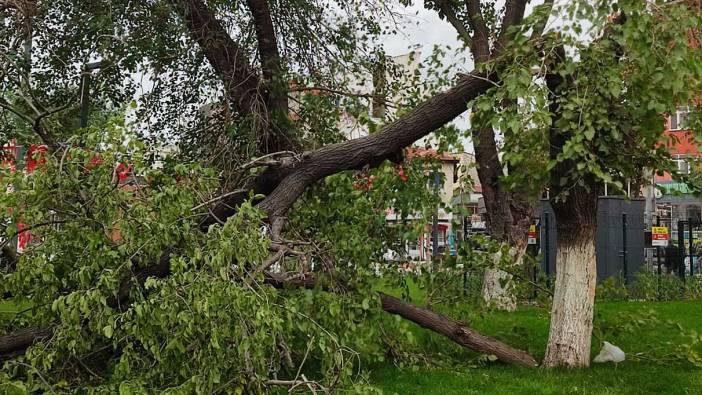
(659, 236)
(531, 237)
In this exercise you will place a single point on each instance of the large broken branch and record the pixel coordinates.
(17, 342)
(456, 331)
(375, 148)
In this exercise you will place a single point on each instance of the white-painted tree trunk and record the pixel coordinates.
(498, 286)
(570, 335)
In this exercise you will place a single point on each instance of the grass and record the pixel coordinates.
(636, 327)
(650, 328)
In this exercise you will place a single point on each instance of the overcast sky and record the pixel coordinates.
(424, 28)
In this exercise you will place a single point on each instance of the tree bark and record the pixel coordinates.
(276, 126)
(456, 331)
(498, 287)
(228, 59)
(17, 342)
(570, 332)
(507, 217)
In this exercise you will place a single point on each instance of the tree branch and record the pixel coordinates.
(514, 14)
(270, 57)
(228, 59)
(451, 17)
(480, 40)
(456, 331)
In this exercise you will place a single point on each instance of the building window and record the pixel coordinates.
(683, 166)
(678, 120)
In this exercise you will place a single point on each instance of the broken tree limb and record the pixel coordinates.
(456, 331)
(17, 342)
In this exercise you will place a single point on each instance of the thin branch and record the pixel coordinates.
(220, 197)
(296, 383)
(451, 17)
(270, 261)
(4, 104)
(339, 92)
(256, 161)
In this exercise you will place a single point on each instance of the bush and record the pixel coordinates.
(648, 286)
(612, 289)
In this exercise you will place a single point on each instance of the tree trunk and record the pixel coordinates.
(570, 334)
(456, 331)
(507, 218)
(498, 287)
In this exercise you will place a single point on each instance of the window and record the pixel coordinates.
(678, 118)
(441, 237)
(683, 166)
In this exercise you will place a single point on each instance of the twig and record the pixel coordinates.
(296, 383)
(299, 369)
(28, 228)
(41, 377)
(220, 197)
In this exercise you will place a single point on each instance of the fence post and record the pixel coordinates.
(624, 251)
(681, 252)
(547, 250)
(692, 263)
(658, 256)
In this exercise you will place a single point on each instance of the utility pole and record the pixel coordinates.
(85, 90)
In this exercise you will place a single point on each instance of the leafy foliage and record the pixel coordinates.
(211, 325)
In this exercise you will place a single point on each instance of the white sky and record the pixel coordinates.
(424, 28)
(420, 30)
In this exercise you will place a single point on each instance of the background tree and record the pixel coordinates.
(591, 102)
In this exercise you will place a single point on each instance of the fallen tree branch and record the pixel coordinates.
(456, 331)
(17, 342)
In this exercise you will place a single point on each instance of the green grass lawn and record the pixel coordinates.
(636, 327)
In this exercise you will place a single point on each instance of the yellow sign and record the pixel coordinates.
(659, 236)
(531, 237)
